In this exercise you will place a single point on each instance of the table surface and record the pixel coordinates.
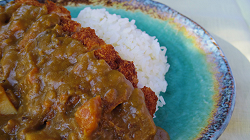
(228, 21)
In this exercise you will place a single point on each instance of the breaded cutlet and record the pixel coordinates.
(102, 50)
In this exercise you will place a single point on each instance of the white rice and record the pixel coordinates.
(132, 44)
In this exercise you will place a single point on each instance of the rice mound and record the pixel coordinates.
(132, 44)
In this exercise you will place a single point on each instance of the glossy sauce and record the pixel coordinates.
(59, 89)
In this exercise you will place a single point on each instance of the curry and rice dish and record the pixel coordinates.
(61, 81)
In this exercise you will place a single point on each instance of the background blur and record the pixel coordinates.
(228, 21)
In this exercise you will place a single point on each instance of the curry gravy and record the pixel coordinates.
(56, 89)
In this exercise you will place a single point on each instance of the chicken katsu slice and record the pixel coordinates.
(88, 37)
(127, 68)
(150, 99)
(101, 50)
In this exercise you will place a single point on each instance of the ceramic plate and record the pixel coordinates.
(200, 96)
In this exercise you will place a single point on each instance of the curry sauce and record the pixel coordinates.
(53, 87)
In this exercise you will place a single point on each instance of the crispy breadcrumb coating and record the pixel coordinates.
(127, 68)
(150, 99)
(88, 37)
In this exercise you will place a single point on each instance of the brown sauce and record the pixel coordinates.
(57, 89)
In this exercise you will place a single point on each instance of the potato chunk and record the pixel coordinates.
(89, 115)
(6, 107)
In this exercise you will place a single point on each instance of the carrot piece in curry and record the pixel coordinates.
(89, 115)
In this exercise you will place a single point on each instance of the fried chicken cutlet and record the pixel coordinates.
(102, 51)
